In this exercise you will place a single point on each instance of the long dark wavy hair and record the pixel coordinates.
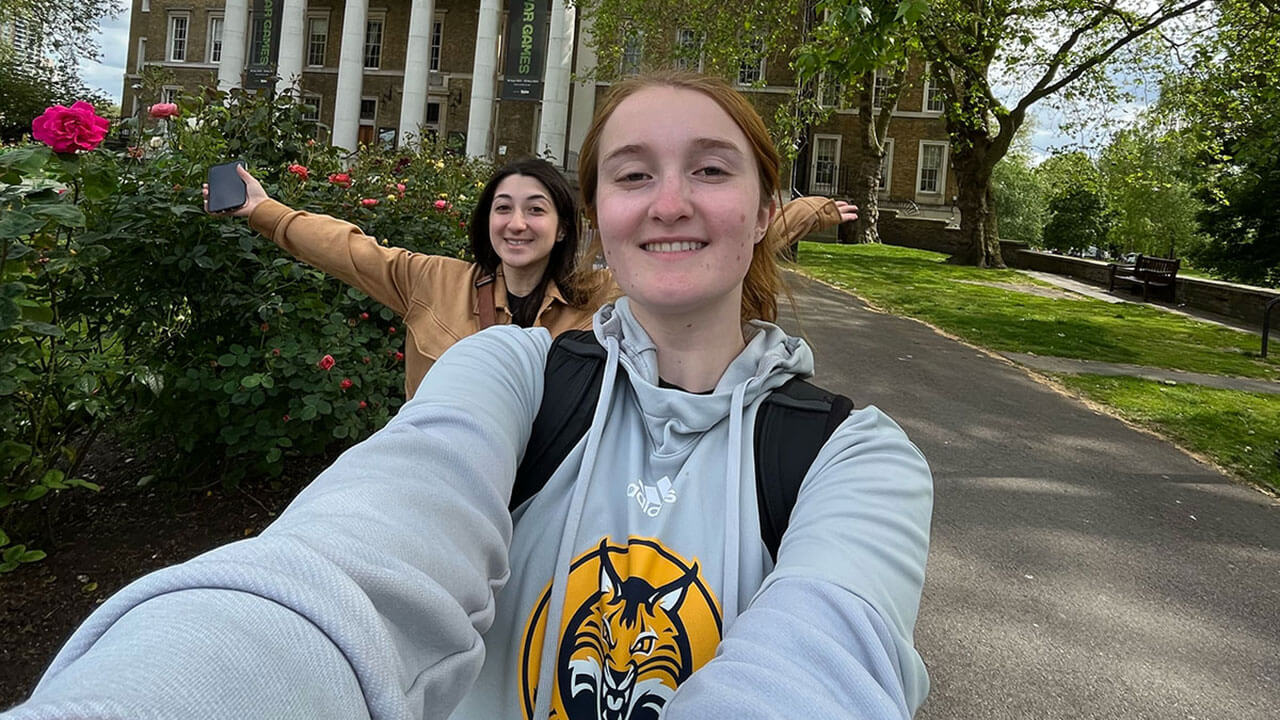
(562, 263)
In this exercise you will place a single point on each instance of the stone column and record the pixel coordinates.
(555, 85)
(346, 106)
(584, 96)
(293, 44)
(417, 64)
(235, 28)
(483, 77)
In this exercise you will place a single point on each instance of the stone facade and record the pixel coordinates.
(514, 129)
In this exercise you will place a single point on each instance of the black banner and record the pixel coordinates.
(264, 44)
(526, 45)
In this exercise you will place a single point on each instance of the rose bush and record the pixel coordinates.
(205, 345)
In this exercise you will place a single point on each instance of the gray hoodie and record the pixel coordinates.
(398, 586)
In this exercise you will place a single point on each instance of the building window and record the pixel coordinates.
(146, 5)
(688, 50)
(824, 171)
(886, 167)
(214, 42)
(437, 36)
(373, 44)
(368, 110)
(632, 52)
(142, 55)
(878, 90)
(751, 69)
(932, 93)
(169, 94)
(933, 165)
(311, 107)
(830, 92)
(317, 40)
(178, 37)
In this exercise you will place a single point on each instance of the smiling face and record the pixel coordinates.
(523, 223)
(678, 201)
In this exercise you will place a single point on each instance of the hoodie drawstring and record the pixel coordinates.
(733, 502)
(564, 556)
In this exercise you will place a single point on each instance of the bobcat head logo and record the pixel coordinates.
(642, 626)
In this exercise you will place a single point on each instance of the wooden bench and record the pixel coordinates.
(1149, 272)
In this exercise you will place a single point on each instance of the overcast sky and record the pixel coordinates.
(108, 75)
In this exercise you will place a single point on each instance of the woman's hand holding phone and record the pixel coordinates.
(254, 195)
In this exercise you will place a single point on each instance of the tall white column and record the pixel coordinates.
(584, 94)
(293, 44)
(346, 106)
(484, 73)
(555, 84)
(417, 64)
(235, 26)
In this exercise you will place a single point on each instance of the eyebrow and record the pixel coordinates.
(535, 196)
(706, 143)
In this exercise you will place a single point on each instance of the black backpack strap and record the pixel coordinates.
(792, 425)
(574, 372)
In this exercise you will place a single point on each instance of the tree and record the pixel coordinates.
(65, 29)
(27, 88)
(1078, 214)
(1053, 48)
(1227, 100)
(1019, 198)
(1147, 177)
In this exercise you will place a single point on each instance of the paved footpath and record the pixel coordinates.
(1079, 568)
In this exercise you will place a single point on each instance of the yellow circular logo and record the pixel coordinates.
(638, 621)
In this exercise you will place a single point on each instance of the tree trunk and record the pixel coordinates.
(866, 196)
(977, 208)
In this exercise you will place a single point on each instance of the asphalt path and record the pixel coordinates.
(1079, 568)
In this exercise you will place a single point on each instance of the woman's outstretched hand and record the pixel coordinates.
(254, 195)
(848, 211)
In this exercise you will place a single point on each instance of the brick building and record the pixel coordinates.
(436, 66)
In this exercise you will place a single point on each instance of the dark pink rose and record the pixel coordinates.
(68, 129)
(163, 110)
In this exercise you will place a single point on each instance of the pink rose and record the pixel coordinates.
(341, 179)
(163, 110)
(67, 129)
(326, 363)
(345, 384)
(441, 205)
(369, 202)
(300, 170)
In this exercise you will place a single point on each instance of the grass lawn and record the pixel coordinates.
(1239, 430)
(962, 301)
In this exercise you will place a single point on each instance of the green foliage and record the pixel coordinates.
(123, 303)
(27, 88)
(1021, 202)
(1077, 212)
(1228, 102)
(66, 29)
(1147, 177)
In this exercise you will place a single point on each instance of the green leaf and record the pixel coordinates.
(63, 213)
(85, 484)
(53, 479)
(12, 554)
(26, 159)
(308, 413)
(17, 223)
(251, 381)
(340, 432)
(41, 328)
(4, 539)
(268, 382)
(8, 567)
(99, 183)
(35, 492)
(226, 360)
(206, 262)
(31, 556)
(9, 315)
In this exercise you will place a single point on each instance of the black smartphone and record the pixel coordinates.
(226, 190)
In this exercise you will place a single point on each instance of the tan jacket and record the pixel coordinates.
(436, 295)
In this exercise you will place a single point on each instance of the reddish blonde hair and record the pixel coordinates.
(763, 281)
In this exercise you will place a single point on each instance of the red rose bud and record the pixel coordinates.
(364, 316)
(369, 202)
(326, 363)
(366, 359)
(275, 351)
(264, 327)
(399, 356)
(300, 170)
(341, 179)
(345, 384)
(391, 330)
(363, 405)
(286, 418)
